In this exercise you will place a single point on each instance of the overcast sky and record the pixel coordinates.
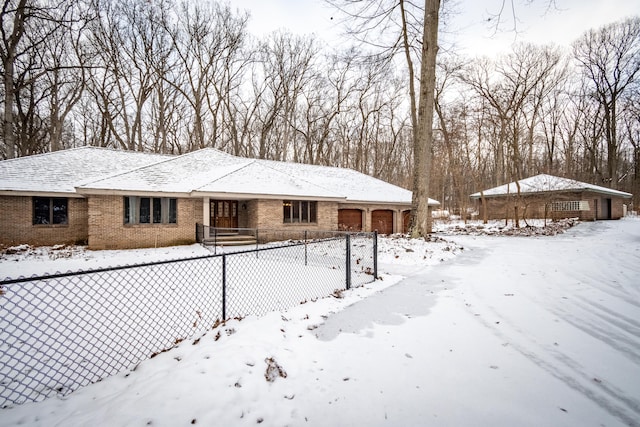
(469, 28)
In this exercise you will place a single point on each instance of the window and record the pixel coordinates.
(50, 210)
(145, 210)
(173, 211)
(573, 205)
(150, 210)
(298, 211)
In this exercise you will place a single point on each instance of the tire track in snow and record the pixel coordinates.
(615, 317)
(610, 334)
(613, 401)
(553, 262)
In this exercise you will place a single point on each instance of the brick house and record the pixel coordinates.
(552, 197)
(112, 199)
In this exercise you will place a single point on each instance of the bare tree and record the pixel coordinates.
(509, 85)
(450, 118)
(411, 30)
(514, 86)
(371, 132)
(131, 48)
(206, 40)
(423, 124)
(632, 132)
(321, 101)
(14, 16)
(119, 82)
(26, 26)
(65, 56)
(287, 65)
(610, 60)
(552, 112)
(162, 121)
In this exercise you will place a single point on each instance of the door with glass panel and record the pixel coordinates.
(224, 213)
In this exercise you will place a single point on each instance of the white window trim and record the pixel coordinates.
(570, 206)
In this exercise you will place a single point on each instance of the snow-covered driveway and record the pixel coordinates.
(524, 331)
(517, 331)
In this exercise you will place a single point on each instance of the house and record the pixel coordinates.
(548, 196)
(113, 199)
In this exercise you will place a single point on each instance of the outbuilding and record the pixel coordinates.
(553, 197)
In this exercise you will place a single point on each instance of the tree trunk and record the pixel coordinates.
(423, 134)
(11, 42)
(9, 99)
(485, 215)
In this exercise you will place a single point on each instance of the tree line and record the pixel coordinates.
(173, 76)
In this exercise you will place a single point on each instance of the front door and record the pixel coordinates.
(224, 213)
(606, 208)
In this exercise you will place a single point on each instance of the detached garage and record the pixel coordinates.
(553, 197)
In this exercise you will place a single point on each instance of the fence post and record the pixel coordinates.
(348, 260)
(305, 248)
(375, 254)
(257, 243)
(224, 287)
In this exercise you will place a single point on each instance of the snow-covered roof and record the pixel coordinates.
(175, 174)
(259, 179)
(62, 171)
(206, 172)
(356, 186)
(544, 183)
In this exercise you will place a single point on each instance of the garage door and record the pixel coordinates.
(350, 219)
(382, 220)
(406, 221)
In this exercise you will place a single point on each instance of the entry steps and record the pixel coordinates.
(230, 240)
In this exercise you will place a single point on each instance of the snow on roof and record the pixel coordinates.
(356, 186)
(547, 183)
(177, 174)
(213, 172)
(62, 171)
(208, 171)
(258, 178)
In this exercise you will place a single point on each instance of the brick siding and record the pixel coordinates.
(99, 221)
(16, 223)
(530, 207)
(268, 214)
(108, 231)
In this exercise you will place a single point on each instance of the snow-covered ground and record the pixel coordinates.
(541, 330)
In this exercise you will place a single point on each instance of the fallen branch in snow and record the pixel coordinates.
(273, 370)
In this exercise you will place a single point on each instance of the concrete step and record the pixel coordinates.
(230, 240)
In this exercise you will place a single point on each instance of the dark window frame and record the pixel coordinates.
(50, 211)
(299, 212)
(150, 210)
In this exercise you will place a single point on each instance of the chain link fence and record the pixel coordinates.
(61, 332)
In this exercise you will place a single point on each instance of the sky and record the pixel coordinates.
(471, 329)
(468, 29)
